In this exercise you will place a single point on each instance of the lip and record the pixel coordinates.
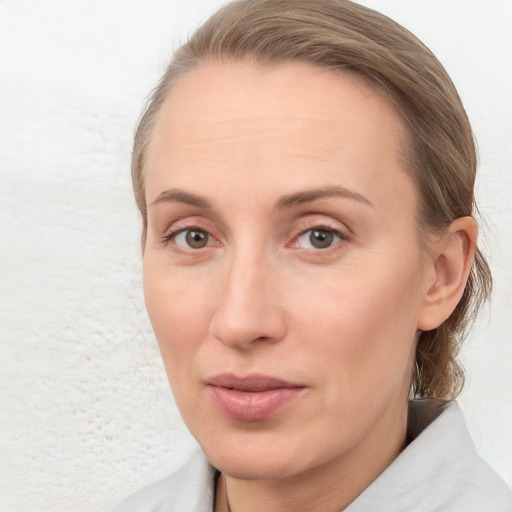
(253, 397)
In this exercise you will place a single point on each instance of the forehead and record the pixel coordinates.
(231, 90)
(236, 119)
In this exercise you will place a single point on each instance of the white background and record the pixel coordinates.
(86, 416)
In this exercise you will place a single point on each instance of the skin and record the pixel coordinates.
(259, 298)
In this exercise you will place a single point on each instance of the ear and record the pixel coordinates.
(450, 263)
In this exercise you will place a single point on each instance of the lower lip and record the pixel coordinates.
(252, 406)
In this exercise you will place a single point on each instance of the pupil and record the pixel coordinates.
(196, 239)
(320, 239)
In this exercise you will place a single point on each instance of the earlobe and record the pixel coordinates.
(451, 263)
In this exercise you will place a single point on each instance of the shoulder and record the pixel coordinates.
(474, 484)
(190, 488)
(439, 470)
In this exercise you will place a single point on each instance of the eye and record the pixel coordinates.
(318, 238)
(193, 239)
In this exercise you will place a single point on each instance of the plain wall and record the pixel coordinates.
(86, 415)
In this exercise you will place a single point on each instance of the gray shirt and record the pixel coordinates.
(439, 470)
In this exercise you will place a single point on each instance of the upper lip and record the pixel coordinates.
(249, 383)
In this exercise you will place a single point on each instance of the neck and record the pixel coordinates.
(328, 488)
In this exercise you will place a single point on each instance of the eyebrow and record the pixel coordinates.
(287, 201)
(307, 196)
(175, 195)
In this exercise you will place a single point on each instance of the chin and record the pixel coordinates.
(265, 455)
(264, 466)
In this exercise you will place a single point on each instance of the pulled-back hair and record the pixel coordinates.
(346, 37)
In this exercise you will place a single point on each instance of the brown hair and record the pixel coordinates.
(344, 36)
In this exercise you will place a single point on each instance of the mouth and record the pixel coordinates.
(251, 398)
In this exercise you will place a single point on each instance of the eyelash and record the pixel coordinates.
(173, 233)
(343, 237)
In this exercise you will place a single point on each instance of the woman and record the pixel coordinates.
(305, 174)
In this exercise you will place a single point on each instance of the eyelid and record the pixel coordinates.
(183, 225)
(343, 233)
(336, 233)
(323, 224)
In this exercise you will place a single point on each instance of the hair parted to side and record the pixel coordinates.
(346, 37)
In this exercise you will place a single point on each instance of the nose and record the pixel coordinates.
(248, 310)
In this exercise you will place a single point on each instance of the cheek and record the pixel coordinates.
(361, 325)
(178, 313)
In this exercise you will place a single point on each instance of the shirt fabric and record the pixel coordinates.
(439, 470)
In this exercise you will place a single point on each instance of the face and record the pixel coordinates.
(282, 273)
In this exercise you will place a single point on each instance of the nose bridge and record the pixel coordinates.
(246, 272)
(246, 312)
